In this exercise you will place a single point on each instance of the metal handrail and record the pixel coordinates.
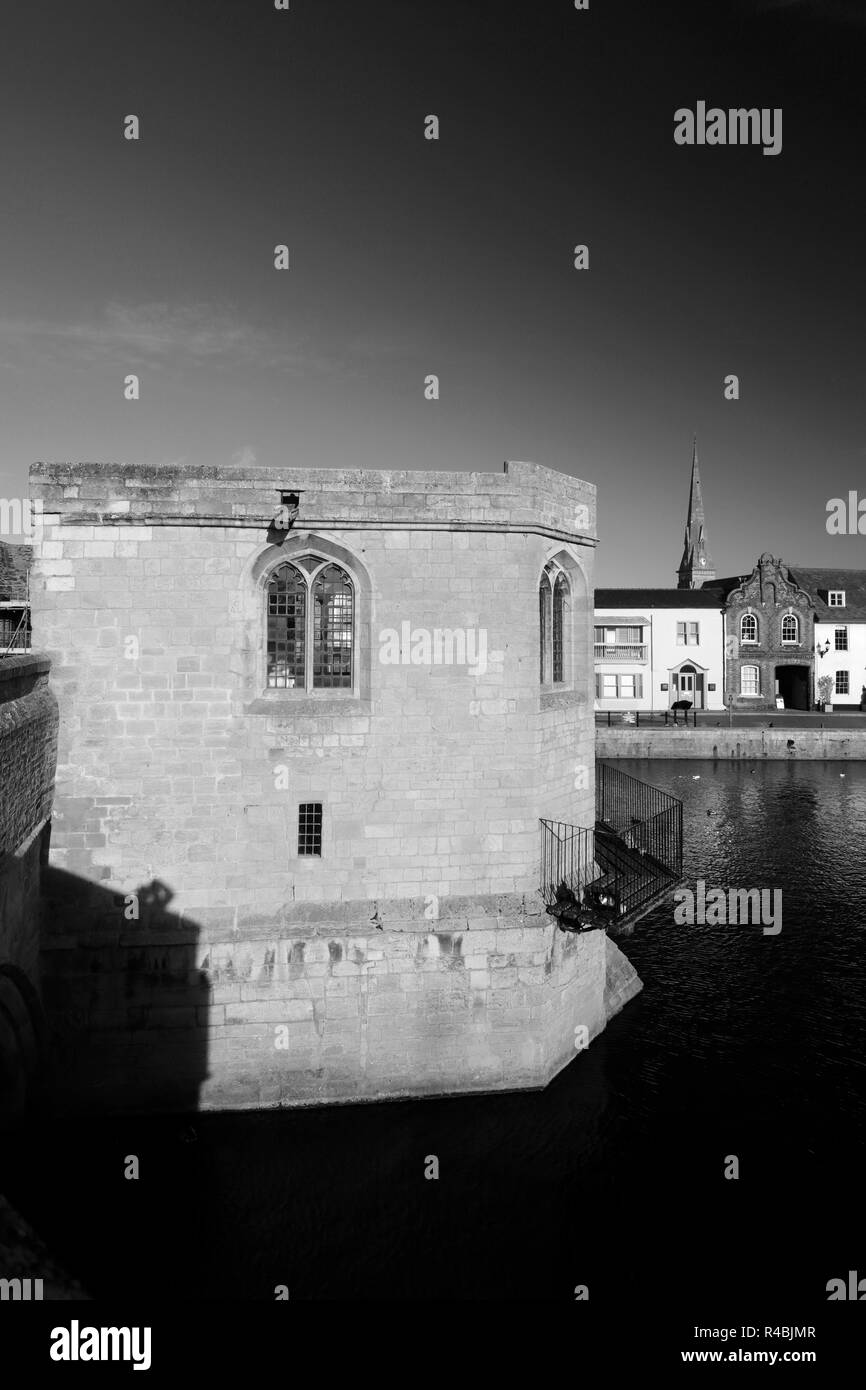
(634, 853)
(15, 644)
(679, 717)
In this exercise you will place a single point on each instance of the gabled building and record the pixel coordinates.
(839, 602)
(758, 641)
(769, 628)
(654, 647)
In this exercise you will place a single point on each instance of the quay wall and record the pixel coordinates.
(782, 743)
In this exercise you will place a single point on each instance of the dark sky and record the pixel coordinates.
(410, 257)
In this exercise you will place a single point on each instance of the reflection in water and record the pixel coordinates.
(740, 1043)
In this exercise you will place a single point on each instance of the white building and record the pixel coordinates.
(839, 597)
(656, 646)
(786, 625)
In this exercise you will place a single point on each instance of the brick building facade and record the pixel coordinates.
(769, 638)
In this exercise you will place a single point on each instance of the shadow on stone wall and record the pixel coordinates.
(23, 1049)
(126, 1009)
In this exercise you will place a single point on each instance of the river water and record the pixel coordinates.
(740, 1044)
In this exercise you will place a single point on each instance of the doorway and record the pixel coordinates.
(687, 684)
(792, 683)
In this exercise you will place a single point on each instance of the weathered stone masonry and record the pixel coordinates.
(28, 749)
(412, 955)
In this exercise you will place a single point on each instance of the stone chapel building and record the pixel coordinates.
(310, 721)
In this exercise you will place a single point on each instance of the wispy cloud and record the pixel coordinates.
(171, 336)
(245, 457)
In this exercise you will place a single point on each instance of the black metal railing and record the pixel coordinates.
(14, 633)
(657, 718)
(622, 801)
(614, 872)
(567, 859)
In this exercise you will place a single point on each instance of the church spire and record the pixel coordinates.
(696, 567)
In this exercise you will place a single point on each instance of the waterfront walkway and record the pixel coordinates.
(713, 719)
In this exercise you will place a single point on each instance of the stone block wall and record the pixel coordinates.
(413, 956)
(28, 749)
(177, 1018)
(177, 762)
(785, 743)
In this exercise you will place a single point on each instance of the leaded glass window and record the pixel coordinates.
(560, 591)
(332, 629)
(310, 626)
(287, 604)
(544, 623)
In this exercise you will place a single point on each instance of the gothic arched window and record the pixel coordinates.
(790, 628)
(332, 629)
(748, 628)
(287, 607)
(310, 616)
(553, 594)
(560, 593)
(544, 603)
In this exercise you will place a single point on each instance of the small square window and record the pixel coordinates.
(310, 827)
(836, 598)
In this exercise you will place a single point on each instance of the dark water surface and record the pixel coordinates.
(740, 1043)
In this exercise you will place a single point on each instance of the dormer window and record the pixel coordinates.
(836, 598)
